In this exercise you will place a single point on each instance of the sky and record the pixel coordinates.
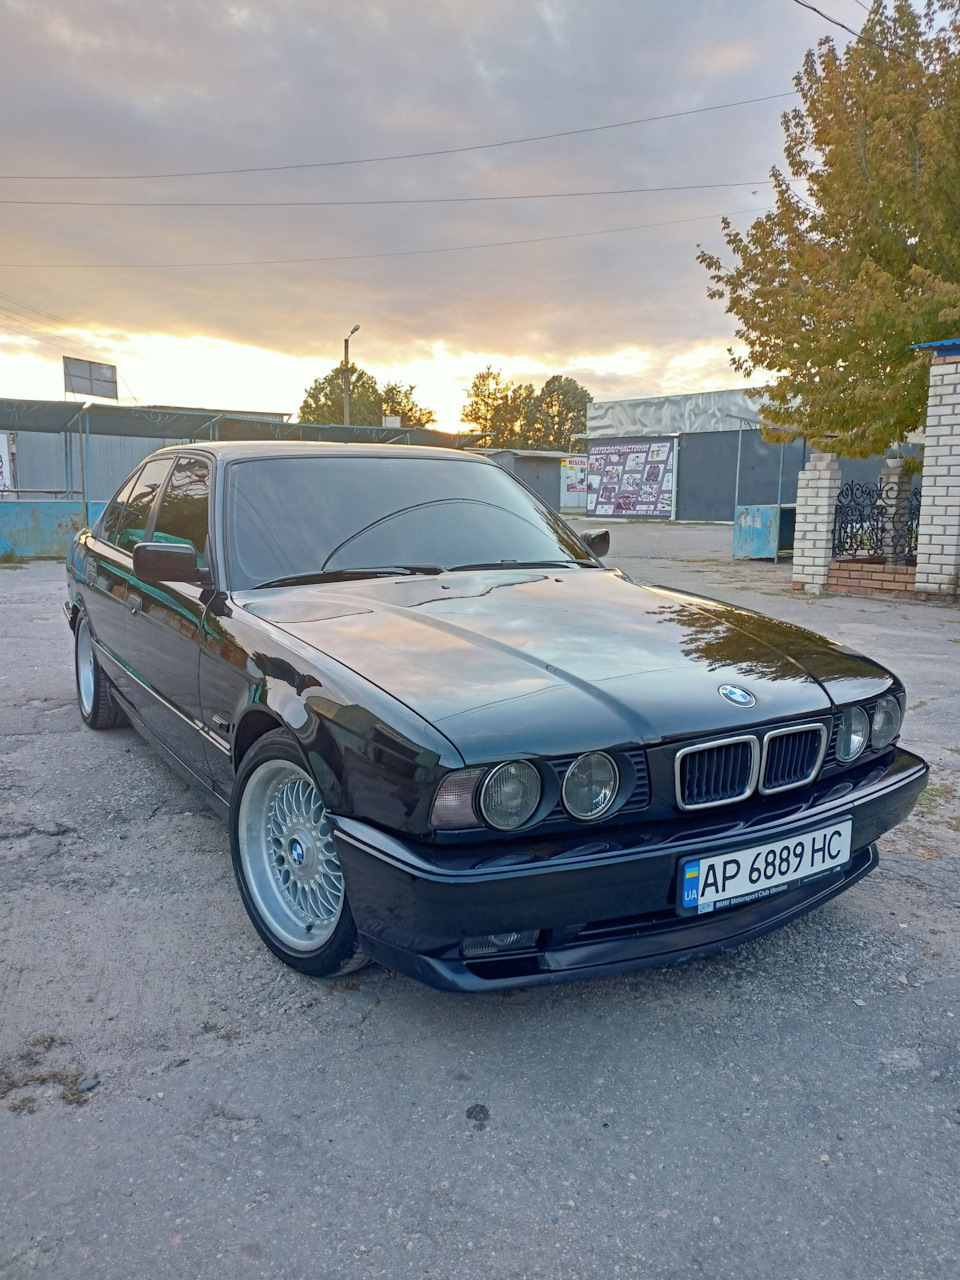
(98, 97)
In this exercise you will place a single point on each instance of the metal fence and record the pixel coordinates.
(874, 522)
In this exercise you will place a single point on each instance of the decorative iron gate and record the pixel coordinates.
(874, 522)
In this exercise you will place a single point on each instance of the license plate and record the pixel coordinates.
(732, 879)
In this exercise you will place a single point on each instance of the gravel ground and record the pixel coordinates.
(177, 1103)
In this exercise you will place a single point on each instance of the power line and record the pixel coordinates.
(408, 155)
(35, 335)
(68, 345)
(356, 257)
(319, 204)
(36, 310)
(859, 35)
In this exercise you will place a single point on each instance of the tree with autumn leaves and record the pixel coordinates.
(509, 415)
(860, 258)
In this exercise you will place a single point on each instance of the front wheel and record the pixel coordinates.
(97, 707)
(286, 863)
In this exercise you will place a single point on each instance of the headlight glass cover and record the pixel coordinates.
(590, 786)
(853, 735)
(886, 722)
(510, 795)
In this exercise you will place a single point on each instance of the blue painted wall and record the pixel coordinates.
(42, 530)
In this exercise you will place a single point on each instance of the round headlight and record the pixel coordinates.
(853, 734)
(886, 722)
(590, 786)
(510, 795)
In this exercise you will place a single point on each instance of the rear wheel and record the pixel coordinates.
(286, 863)
(97, 708)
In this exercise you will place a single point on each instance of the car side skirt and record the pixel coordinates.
(200, 785)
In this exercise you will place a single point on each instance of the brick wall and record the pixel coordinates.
(938, 547)
(863, 578)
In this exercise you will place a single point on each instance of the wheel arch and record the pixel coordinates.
(318, 752)
(253, 724)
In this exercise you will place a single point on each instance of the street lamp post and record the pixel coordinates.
(346, 375)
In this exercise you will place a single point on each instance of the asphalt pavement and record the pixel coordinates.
(177, 1103)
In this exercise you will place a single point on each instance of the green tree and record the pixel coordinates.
(500, 410)
(560, 413)
(509, 415)
(486, 392)
(396, 401)
(323, 401)
(860, 257)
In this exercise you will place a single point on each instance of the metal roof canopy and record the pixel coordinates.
(945, 344)
(338, 433)
(139, 420)
(525, 453)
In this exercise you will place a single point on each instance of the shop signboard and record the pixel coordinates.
(632, 477)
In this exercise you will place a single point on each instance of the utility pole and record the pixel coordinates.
(346, 375)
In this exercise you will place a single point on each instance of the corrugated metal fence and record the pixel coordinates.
(46, 461)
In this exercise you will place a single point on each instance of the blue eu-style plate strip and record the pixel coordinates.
(691, 884)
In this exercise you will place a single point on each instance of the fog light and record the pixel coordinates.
(886, 722)
(489, 944)
(853, 734)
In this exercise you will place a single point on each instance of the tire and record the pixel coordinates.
(286, 865)
(97, 707)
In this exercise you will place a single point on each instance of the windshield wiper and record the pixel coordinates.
(348, 575)
(524, 564)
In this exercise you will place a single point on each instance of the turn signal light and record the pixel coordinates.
(453, 804)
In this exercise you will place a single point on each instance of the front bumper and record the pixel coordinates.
(595, 912)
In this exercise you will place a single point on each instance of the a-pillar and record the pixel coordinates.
(938, 539)
(818, 486)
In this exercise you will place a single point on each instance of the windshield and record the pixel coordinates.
(287, 517)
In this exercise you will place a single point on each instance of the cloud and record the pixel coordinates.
(108, 86)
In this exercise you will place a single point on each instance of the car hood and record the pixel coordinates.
(543, 662)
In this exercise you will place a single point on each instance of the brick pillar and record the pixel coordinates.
(817, 487)
(938, 542)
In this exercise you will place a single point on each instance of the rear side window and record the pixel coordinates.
(114, 512)
(184, 509)
(131, 522)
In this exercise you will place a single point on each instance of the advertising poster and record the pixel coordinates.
(574, 473)
(631, 477)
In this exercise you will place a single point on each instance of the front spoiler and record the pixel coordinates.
(632, 947)
(593, 914)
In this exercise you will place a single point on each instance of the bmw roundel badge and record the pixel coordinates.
(739, 697)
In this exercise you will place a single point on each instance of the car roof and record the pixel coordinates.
(244, 450)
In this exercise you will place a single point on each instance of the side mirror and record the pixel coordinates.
(598, 541)
(166, 562)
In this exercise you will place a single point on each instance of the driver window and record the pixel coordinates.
(184, 509)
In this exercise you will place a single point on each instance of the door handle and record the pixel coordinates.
(134, 602)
